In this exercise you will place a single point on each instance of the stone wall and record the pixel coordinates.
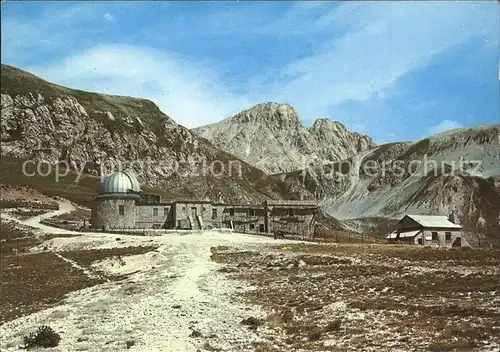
(147, 217)
(182, 211)
(105, 213)
(440, 238)
(292, 219)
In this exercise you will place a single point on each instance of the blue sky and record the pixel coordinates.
(393, 70)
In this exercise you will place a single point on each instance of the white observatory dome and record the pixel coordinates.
(120, 182)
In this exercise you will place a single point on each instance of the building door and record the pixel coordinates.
(261, 228)
(457, 242)
(194, 212)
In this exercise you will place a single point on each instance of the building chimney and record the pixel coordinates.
(451, 217)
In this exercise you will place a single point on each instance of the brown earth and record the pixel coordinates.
(370, 297)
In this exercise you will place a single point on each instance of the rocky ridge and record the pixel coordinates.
(272, 137)
(44, 121)
(454, 172)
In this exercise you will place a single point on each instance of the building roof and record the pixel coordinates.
(136, 187)
(120, 182)
(292, 202)
(189, 201)
(434, 221)
(406, 234)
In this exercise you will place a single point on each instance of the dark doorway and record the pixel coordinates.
(261, 228)
(194, 212)
(457, 242)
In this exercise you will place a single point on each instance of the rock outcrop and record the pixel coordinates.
(271, 137)
(456, 171)
(43, 121)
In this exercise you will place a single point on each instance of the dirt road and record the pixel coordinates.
(175, 300)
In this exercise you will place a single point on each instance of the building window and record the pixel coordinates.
(214, 213)
(252, 212)
(291, 212)
(252, 227)
(447, 236)
(434, 236)
(155, 211)
(231, 212)
(121, 210)
(165, 211)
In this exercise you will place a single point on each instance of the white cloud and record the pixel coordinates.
(56, 28)
(387, 40)
(444, 126)
(109, 17)
(191, 93)
(374, 44)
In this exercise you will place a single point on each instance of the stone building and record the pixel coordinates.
(114, 206)
(434, 231)
(120, 205)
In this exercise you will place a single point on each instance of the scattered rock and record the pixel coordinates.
(196, 333)
(252, 322)
(334, 325)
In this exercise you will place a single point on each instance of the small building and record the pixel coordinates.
(121, 205)
(428, 230)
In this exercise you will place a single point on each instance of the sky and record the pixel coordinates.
(393, 70)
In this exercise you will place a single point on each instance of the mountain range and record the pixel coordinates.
(276, 156)
(271, 137)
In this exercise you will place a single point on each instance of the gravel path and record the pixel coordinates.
(174, 300)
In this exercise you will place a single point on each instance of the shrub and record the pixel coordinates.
(314, 334)
(252, 322)
(334, 325)
(196, 333)
(287, 316)
(44, 336)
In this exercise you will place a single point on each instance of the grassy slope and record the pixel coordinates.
(81, 192)
(15, 81)
(253, 181)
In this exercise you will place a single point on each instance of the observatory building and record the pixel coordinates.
(114, 206)
(121, 206)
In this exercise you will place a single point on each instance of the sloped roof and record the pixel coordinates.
(392, 235)
(120, 182)
(406, 234)
(434, 221)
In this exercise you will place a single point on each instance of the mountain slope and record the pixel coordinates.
(44, 121)
(457, 171)
(271, 137)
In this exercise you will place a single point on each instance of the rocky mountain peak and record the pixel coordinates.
(272, 137)
(274, 113)
(43, 121)
(324, 124)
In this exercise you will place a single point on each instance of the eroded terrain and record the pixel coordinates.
(370, 297)
(216, 291)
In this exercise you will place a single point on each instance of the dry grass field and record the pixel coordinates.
(37, 281)
(30, 282)
(370, 297)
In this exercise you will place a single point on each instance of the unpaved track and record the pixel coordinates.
(64, 207)
(172, 291)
